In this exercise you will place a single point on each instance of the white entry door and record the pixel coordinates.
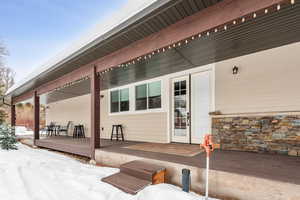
(200, 106)
(180, 110)
(190, 107)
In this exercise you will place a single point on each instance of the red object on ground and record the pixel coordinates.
(208, 144)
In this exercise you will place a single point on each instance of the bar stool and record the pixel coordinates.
(78, 131)
(116, 135)
(82, 133)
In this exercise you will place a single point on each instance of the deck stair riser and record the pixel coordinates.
(136, 175)
(141, 171)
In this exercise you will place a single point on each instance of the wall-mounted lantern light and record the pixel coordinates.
(235, 70)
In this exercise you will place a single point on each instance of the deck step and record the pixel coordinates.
(127, 183)
(142, 170)
(136, 175)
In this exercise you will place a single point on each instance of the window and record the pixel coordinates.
(124, 99)
(148, 96)
(114, 99)
(119, 100)
(154, 95)
(141, 97)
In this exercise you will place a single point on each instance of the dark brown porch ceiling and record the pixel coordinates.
(265, 32)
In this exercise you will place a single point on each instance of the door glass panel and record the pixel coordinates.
(183, 85)
(176, 84)
(180, 108)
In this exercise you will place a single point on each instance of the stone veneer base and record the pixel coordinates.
(273, 134)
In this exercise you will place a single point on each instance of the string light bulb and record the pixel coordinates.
(278, 7)
(187, 40)
(266, 11)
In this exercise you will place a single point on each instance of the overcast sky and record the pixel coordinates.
(34, 31)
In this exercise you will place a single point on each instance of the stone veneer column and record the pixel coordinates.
(274, 134)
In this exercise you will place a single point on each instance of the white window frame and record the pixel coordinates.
(132, 96)
(147, 92)
(109, 100)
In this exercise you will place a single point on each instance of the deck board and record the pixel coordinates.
(76, 146)
(262, 165)
(66, 144)
(276, 167)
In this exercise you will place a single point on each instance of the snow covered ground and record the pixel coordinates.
(34, 174)
(22, 131)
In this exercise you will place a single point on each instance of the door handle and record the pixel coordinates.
(188, 118)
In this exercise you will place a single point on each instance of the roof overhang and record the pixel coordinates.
(159, 18)
(143, 23)
(265, 32)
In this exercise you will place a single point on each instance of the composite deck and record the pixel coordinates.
(78, 146)
(275, 167)
(269, 166)
(66, 144)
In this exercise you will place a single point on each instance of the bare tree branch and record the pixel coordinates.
(6, 74)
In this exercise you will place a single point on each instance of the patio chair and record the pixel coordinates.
(50, 129)
(56, 130)
(65, 128)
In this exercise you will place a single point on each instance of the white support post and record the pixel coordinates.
(207, 173)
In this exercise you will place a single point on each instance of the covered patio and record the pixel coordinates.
(236, 35)
(165, 40)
